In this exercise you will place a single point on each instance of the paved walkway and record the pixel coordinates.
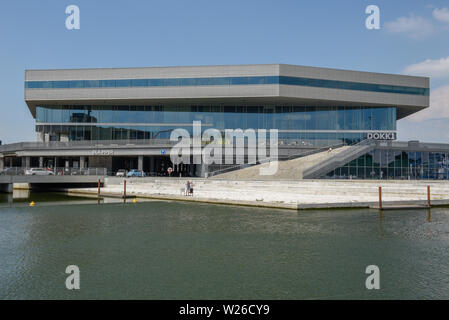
(283, 194)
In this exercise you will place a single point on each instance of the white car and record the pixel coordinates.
(121, 173)
(38, 172)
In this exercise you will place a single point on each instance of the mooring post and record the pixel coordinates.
(428, 196)
(380, 198)
(124, 189)
(99, 186)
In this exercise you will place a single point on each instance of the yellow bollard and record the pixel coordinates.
(134, 200)
(32, 204)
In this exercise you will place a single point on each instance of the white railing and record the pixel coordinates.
(58, 171)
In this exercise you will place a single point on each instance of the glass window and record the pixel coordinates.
(170, 82)
(76, 84)
(155, 82)
(60, 84)
(139, 83)
(253, 80)
(92, 84)
(123, 83)
(107, 83)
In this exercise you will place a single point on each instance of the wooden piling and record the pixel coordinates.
(124, 189)
(428, 196)
(99, 186)
(380, 198)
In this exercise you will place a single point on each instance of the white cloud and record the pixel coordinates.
(441, 15)
(439, 107)
(430, 68)
(412, 26)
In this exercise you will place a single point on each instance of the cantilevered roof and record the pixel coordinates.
(251, 85)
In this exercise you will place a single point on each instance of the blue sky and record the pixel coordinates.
(413, 39)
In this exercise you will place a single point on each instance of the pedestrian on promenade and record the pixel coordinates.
(191, 189)
(187, 187)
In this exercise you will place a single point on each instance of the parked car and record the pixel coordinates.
(121, 173)
(39, 172)
(135, 173)
(12, 171)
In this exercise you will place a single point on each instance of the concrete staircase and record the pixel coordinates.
(287, 170)
(321, 168)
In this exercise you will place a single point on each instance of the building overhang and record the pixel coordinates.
(245, 95)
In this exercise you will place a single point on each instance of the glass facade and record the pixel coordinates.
(227, 81)
(395, 164)
(304, 125)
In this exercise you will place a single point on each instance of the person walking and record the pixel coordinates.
(187, 187)
(191, 189)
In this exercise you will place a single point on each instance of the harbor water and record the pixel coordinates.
(176, 250)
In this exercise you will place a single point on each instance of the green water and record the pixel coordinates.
(174, 250)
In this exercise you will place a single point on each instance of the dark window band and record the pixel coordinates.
(227, 81)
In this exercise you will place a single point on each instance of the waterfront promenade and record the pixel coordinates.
(304, 194)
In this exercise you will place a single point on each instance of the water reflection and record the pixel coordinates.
(173, 250)
(21, 194)
(24, 197)
(379, 224)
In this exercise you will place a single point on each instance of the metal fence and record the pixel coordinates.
(55, 145)
(84, 144)
(58, 171)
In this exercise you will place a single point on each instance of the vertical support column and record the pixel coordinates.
(41, 162)
(56, 162)
(27, 162)
(152, 171)
(2, 163)
(205, 170)
(82, 162)
(140, 163)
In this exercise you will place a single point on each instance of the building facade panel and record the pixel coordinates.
(406, 104)
(356, 76)
(151, 93)
(152, 72)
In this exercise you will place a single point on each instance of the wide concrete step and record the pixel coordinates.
(290, 192)
(288, 170)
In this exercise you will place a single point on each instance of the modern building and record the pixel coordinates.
(122, 118)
